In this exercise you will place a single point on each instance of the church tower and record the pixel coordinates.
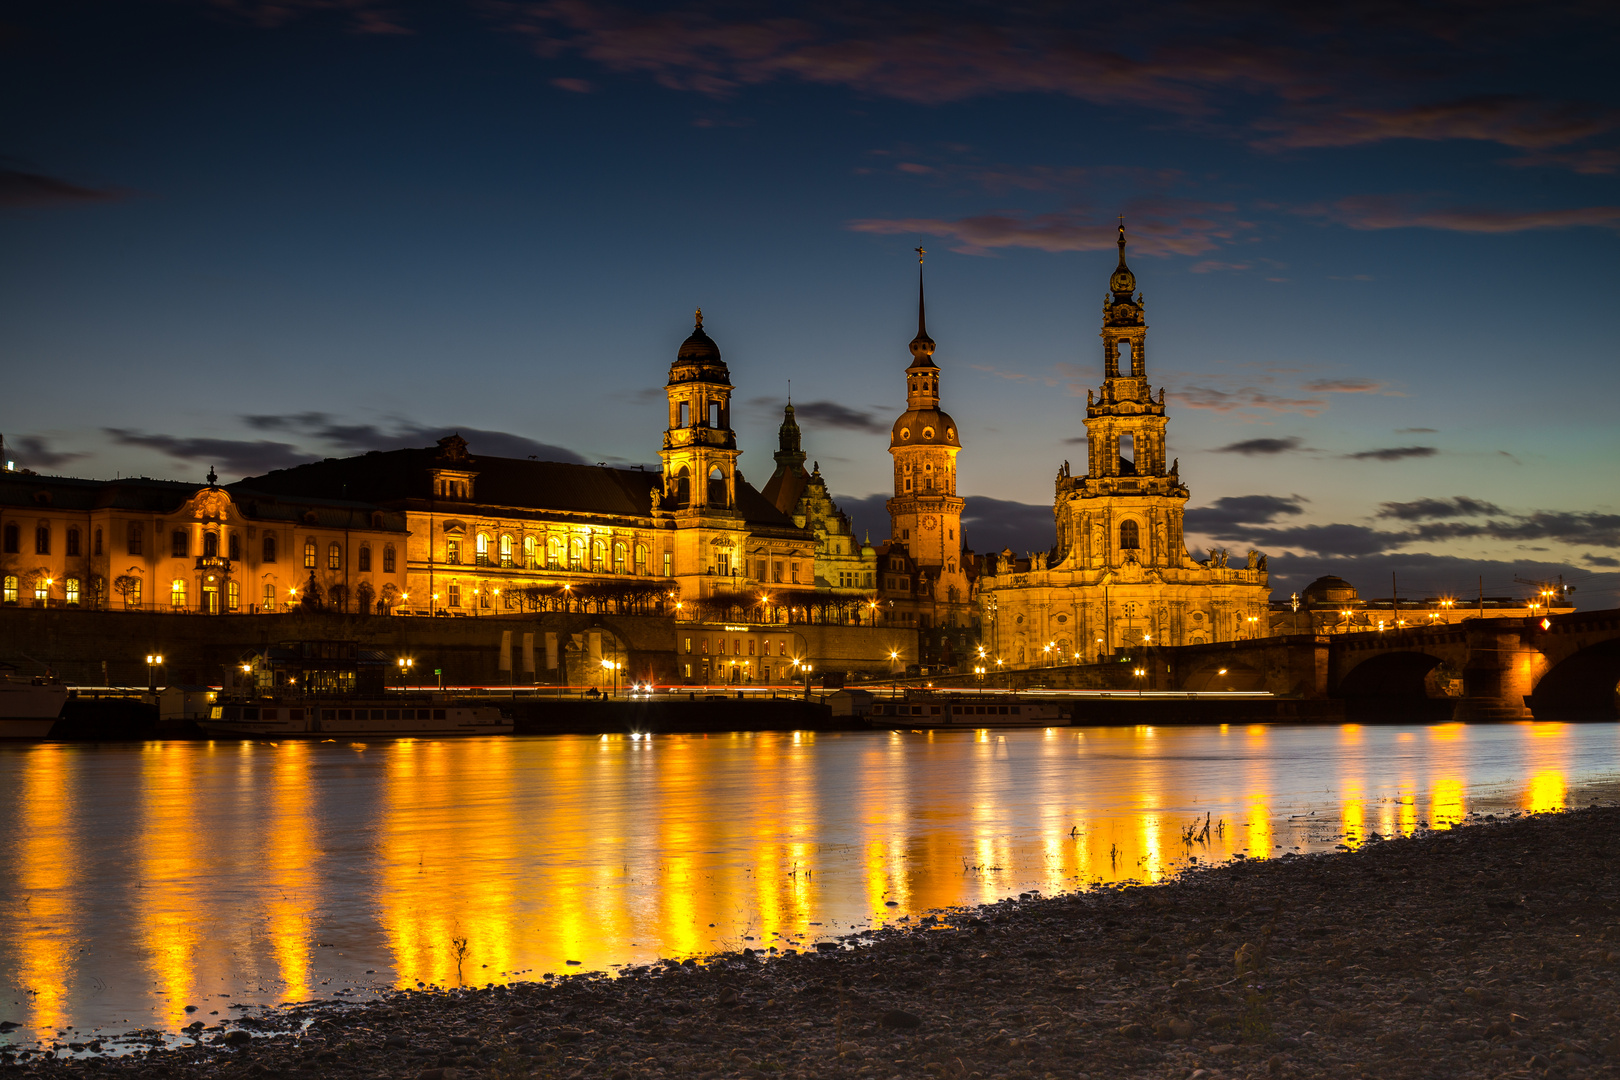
(700, 471)
(1128, 508)
(926, 514)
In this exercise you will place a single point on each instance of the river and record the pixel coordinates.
(140, 879)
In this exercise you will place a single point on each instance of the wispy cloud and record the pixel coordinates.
(1592, 161)
(1375, 212)
(358, 438)
(831, 414)
(1525, 123)
(1247, 397)
(238, 456)
(29, 189)
(1160, 227)
(1350, 386)
(1393, 453)
(34, 452)
(1252, 447)
(1429, 509)
(358, 16)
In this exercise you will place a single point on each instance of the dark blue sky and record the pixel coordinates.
(1377, 242)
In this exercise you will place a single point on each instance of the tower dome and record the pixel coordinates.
(699, 358)
(1329, 590)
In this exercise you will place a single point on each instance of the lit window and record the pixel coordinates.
(269, 597)
(334, 556)
(576, 553)
(669, 564)
(309, 553)
(177, 593)
(641, 559)
(233, 595)
(528, 552)
(42, 588)
(455, 596)
(8, 591)
(129, 587)
(70, 588)
(553, 553)
(481, 549)
(506, 551)
(452, 551)
(598, 555)
(618, 557)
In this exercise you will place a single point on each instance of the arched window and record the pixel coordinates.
(683, 487)
(334, 556)
(506, 550)
(42, 540)
(717, 488)
(388, 558)
(177, 593)
(528, 552)
(270, 596)
(309, 553)
(363, 562)
(619, 552)
(362, 598)
(8, 589)
(1129, 535)
(73, 541)
(481, 549)
(235, 547)
(576, 553)
(70, 589)
(641, 558)
(210, 545)
(269, 547)
(96, 550)
(599, 555)
(179, 544)
(553, 553)
(233, 595)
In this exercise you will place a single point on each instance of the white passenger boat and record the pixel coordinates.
(353, 719)
(930, 709)
(28, 710)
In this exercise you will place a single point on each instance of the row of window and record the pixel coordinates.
(11, 592)
(737, 646)
(180, 546)
(506, 554)
(12, 541)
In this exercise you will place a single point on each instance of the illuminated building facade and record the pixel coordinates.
(158, 545)
(1119, 574)
(843, 565)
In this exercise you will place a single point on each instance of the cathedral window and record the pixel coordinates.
(684, 418)
(717, 488)
(714, 414)
(928, 433)
(905, 434)
(1129, 535)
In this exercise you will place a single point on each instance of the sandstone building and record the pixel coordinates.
(1119, 574)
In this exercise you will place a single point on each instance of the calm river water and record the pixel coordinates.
(137, 880)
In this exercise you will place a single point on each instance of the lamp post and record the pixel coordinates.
(1139, 673)
(609, 665)
(807, 670)
(405, 664)
(153, 662)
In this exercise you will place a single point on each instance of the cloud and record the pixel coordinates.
(1570, 527)
(1232, 511)
(832, 414)
(25, 189)
(1393, 453)
(1347, 386)
(358, 438)
(995, 524)
(36, 453)
(1374, 212)
(1417, 431)
(362, 16)
(1251, 447)
(574, 86)
(1430, 509)
(1524, 123)
(1157, 227)
(1336, 539)
(1425, 574)
(1594, 161)
(1248, 397)
(1602, 560)
(245, 457)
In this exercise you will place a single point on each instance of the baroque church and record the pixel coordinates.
(1119, 575)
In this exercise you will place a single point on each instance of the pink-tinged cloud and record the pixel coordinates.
(1595, 161)
(26, 189)
(574, 86)
(1225, 401)
(1345, 386)
(1524, 123)
(1373, 212)
(363, 16)
(1164, 227)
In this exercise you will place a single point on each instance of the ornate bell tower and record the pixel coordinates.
(1128, 508)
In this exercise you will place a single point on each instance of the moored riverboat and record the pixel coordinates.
(921, 709)
(313, 718)
(28, 710)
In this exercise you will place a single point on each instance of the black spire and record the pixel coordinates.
(922, 346)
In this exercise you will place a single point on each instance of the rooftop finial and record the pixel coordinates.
(213, 480)
(922, 346)
(1122, 282)
(1122, 239)
(700, 318)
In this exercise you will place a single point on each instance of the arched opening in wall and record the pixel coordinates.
(717, 488)
(684, 416)
(1127, 454)
(1224, 674)
(714, 414)
(683, 487)
(211, 544)
(363, 597)
(1126, 358)
(1396, 686)
(1130, 536)
(1586, 686)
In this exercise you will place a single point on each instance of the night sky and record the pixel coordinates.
(1377, 243)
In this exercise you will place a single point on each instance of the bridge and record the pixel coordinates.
(1562, 667)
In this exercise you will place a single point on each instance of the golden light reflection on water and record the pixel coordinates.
(482, 860)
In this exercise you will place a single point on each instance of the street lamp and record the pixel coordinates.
(1099, 650)
(153, 662)
(1139, 673)
(1253, 628)
(609, 665)
(405, 664)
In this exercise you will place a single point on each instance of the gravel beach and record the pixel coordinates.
(1482, 951)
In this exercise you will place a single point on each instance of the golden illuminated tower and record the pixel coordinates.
(925, 514)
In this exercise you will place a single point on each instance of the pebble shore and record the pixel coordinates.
(1489, 950)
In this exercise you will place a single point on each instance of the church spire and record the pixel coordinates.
(922, 346)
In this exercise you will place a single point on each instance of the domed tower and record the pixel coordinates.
(925, 514)
(700, 449)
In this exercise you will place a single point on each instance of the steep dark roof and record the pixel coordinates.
(20, 492)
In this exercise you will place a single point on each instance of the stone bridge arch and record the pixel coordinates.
(1584, 685)
(1412, 683)
(1229, 673)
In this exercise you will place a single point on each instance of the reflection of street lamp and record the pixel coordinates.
(153, 662)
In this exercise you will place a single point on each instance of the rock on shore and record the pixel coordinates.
(1485, 951)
